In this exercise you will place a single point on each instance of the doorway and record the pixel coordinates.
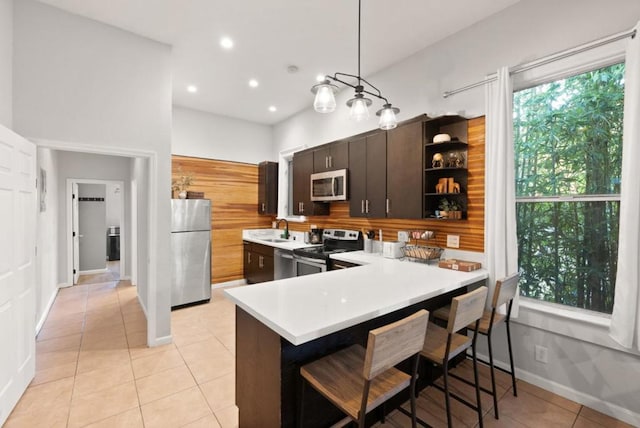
(97, 219)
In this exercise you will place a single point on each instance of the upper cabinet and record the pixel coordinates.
(404, 169)
(445, 172)
(302, 166)
(330, 157)
(268, 188)
(403, 173)
(367, 175)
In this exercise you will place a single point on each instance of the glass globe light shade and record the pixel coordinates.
(387, 117)
(359, 108)
(325, 101)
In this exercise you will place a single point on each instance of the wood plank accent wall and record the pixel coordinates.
(471, 230)
(233, 190)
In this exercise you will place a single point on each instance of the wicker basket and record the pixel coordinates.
(422, 253)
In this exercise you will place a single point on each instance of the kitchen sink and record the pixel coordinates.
(275, 240)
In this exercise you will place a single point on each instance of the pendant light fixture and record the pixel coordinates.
(325, 101)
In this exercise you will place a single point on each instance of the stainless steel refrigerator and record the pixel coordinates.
(190, 251)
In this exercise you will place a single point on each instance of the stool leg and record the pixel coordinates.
(493, 377)
(412, 392)
(301, 404)
(513, 373)
(445, 370)
(476, 377)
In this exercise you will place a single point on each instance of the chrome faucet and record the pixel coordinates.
(286, 227)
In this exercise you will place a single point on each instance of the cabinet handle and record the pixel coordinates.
(362, 206)
(387, 208)
(249, 257)
(367, 206)
(301, 207)
(261, 261)
(326, 161)
(330, 161)
(263, 208)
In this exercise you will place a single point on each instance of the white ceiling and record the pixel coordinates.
(316, 36)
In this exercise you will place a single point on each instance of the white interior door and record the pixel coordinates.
(17, 267)
(75, 232)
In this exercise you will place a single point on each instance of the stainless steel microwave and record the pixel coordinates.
(329, 186)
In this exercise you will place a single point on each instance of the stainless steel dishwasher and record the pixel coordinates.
(283, 264)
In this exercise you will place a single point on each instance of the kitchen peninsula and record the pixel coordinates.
(283, 324)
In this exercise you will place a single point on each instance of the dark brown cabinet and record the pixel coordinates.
(404, 170)
(445, 163)
(258, 262)
(268, 188)
(367, 175)
(302, 166)
(330, 157)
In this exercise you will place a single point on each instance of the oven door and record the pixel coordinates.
(308, 266)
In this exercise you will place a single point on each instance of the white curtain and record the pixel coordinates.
(625, 320)
(500, 237)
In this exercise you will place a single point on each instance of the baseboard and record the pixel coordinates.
(93, 271)
(46, 311)
(65, 285)
(232, 283)
(125, 278)
(613, 410)
(164, 340)
(144, 308)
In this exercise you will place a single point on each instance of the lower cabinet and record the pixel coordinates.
(258, 262)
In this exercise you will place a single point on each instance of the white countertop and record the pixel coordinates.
(308, 307)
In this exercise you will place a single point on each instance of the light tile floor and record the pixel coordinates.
(93, 369)
(111, 274)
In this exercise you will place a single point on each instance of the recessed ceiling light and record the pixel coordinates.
(320, 77)
(192, 88)
(226, 42)
(253, 83)
(272, 109)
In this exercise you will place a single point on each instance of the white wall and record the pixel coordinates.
(6, 62)
(139, 170)
(593, 374)
(113, 201)
(47, 236)
(90, 84)
(528, 30)
(205, 135)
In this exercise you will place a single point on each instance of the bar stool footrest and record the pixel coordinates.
(488, 364)
(468, 382)
(457, 397)
(418, 420)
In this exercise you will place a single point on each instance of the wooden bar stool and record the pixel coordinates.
(504, 293)
(442, 345)
(357, 380)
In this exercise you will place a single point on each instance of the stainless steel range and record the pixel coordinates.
(310, 260)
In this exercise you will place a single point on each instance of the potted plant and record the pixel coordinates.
(181, 184)
(450, 209)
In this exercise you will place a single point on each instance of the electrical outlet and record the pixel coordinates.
(403, 236)
(541, 354)
(453, 241)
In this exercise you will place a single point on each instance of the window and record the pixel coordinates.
(568, 147)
